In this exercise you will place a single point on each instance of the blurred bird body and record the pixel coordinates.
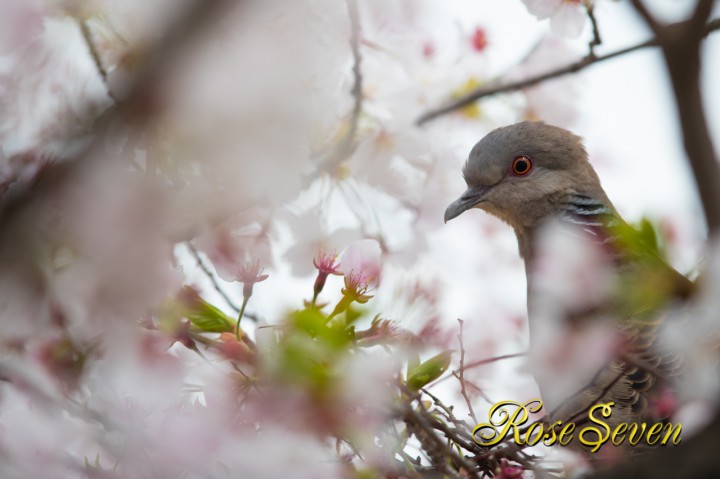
(530, 174)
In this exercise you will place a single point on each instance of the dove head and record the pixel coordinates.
(521, 173)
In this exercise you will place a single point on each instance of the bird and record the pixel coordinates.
(530, 174)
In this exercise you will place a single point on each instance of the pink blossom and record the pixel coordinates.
(665, 404)
(326, 262)
(428, 49)
(508, 471)
(312, 234)
(360, 263)
(567, 17)
(248, 273)
(246, 234)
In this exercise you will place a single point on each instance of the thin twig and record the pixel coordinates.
(460, 424)
(346, 145)
(480, 362)
(477, 388)
(452, 434)
(433, 422)
(461, 376)
(211, 277)
(528, 82)
(95, 55)
(420, 421)
(596, 38)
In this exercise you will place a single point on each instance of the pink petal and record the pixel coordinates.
(362, 258)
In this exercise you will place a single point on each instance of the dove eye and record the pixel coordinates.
(521, 166)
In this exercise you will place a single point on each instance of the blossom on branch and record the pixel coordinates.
(326, 264)
(360, 263)
(248, 273)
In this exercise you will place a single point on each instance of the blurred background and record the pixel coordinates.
(272, 131)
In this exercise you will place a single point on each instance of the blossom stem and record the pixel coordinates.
(240, 315)
(319, 285)
(342, 305)
(314, 300)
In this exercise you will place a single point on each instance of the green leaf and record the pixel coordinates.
(641, 241)
(427, 372)
(329, 333)
(648, 235)
(204, 315)
(413, 362)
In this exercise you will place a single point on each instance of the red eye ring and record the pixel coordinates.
(521, 166)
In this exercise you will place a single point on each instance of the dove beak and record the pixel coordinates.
(467, 200)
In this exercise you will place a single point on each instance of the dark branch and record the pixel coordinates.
(87, 36)
(532, 81)
(647, 16)
(481, 362)
(596, 38)
(212, 278)
(702, 12)
(680, 44)
(420, 421)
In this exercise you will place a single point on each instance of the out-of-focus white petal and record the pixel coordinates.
(362, 259)
(569, 20)
(693, 331)
(567, 17)
(572, 274)
(543, 8)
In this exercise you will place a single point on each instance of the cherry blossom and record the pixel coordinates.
(248, 273)
(567, 17)
(326, 264)
(361, 265)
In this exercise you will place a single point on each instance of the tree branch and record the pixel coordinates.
(596, 39)
(95, 55)
(481, 362)
(461, 376)
(212, 278)
(532, 81)
(346, 144)
(680, 45)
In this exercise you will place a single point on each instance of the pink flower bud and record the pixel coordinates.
(479, 39)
